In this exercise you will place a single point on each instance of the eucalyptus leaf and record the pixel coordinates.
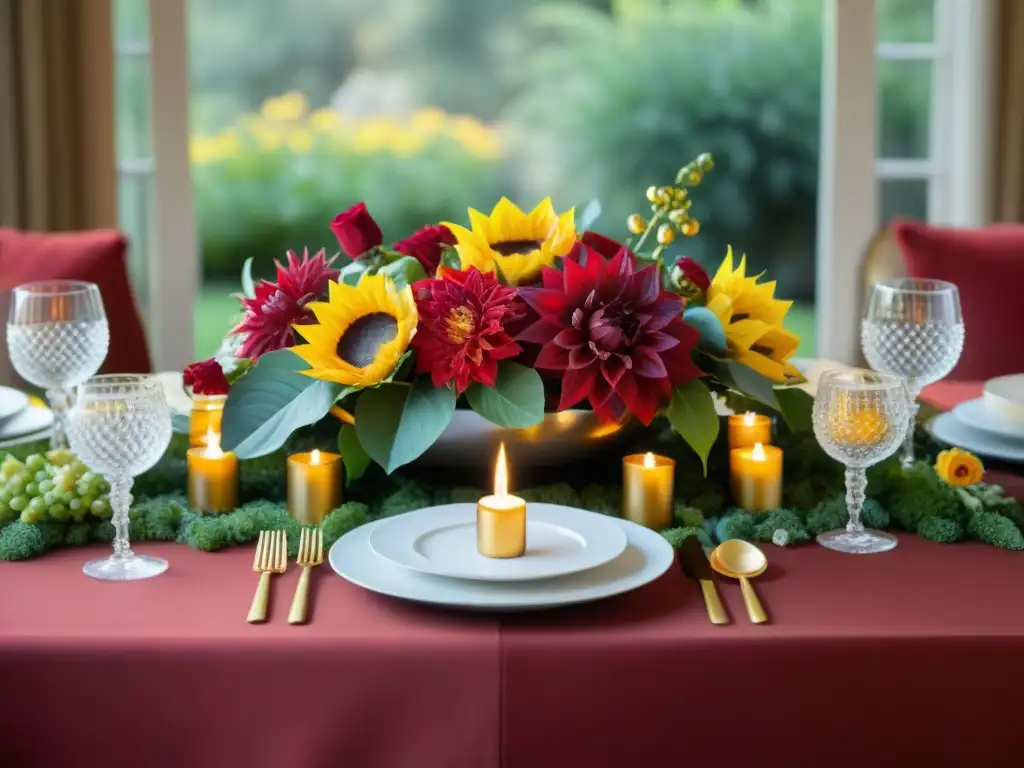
(180, 423)
(450, 259)
(396, 423)
(516, 400)
(591, 213)
(747, 381)
(352, 453)
(692, 414)
(795, 406)
(248, 287)
(270, 402)
(352, 273)
(403, 271)
(707, 324)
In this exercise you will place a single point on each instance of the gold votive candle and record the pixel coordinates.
(212, 478)
(205, 418)
(314, 485)
(748, 429)
(501, 517)
(756, 477)
(648, 482)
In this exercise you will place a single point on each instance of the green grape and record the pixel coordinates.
(18, 503)
(6, 513)
(36, 504)
(75, 505)
(35, 462)
(9, 468)
(5, 495)
(61, 457)
(26, 517)
(88, 499)
(65, 482)
(99, 508)
(41, 475)
(17, 483)
(59, 512)
(45, 486)
(32, 489)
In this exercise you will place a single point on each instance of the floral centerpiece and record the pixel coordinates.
(512, 314)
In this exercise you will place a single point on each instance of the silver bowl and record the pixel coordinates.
(561, 438)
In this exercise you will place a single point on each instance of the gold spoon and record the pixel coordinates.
(741, 560)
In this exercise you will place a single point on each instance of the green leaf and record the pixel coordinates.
(180, 423)
(396, 423)
(403, 271)
(352, 453)
(795, 406)
(270, 402)
(352, 273)
(591, 213)
(450, 259)
(248, 288)
(747, 381)
(691, 412)
(516, 400)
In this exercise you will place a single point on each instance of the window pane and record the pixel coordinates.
(133, 114)
(135, 206)
(131, 22)
(907, 198)
(905, 21)
(904, 108)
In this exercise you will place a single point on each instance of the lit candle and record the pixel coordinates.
(757, 477)
(314, 485)
(748, 429)
(501, 518)
(205, 419)
(212, 477)
(648, 482)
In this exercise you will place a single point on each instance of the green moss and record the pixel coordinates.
(780, 519)
(604, 499)
(78, 534)
(556, 493)
(467, 494)
(940, 529)
(992, 528)
(409, 495)
(735, 524)
(342, 520)
(19, 541)
(710, 500)
(827, 516)
(686, 516)
(676, 536)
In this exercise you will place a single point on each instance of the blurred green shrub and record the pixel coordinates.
(276, 179)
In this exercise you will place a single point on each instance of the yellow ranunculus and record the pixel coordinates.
(752, 318)
(958, 467)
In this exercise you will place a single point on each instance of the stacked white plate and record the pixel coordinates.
(991, 425)
(19, 421)
(430, 556)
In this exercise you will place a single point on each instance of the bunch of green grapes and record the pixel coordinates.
(56, 486)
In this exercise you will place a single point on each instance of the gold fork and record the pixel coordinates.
(311, 554)
(271, 557)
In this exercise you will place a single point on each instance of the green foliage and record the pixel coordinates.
(940, 529)
(676, 536)
(409, 495)
(516, 400)
(352, 453)
(556, 493)
(397, 423)
(467, 494)
(826, 516)
(736, 524)
(340, 521)
(605, 499)
(691, 412)
(916, 493)
(19, 540)
(768, 523)
(686, 516)
(710, 500)
(993, 528)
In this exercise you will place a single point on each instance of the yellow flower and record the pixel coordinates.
(300, 141)
(361, 332)
(517, 243)
(959, 468)
(326, 121)
(752, 318)
(286, 108)
(429, 120)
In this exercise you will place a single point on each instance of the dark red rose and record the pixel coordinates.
(603, 245)
(356, 231)
(427, 246)
(206, 378)
(688, 269)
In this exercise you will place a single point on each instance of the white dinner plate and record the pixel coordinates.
(973, 413)
(27, 422)
(42, 434)
(646, 557)
(442, 541)
(11, 402)
(947, 428)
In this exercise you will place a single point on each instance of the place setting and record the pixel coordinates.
(991, 425)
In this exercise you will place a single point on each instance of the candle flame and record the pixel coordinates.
(213, 450)
(649, 462)
(501, 473)
(758, 453)
(749, 418)
(314, 457)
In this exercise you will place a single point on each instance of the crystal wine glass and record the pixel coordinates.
(120, 426)
(860, 418)
(913, 328)
(57, 337)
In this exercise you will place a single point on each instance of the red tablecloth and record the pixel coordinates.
(908, 658)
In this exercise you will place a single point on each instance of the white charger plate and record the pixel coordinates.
(973, 413)
(646, 557)
(29, 421)
(11, 402)
(442, 541)
(43, 434)
(947, 428)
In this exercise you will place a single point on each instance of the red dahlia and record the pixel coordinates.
(270, 314)
(461, 333)
(427, 246)
(611, 333)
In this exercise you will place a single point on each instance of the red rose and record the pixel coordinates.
(688, 269)
(426, 246)
(206, 378)
(356, 231)
(603, 245)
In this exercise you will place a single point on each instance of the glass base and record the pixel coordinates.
(120, 568)
(867, 542)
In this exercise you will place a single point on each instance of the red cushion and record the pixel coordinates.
(946, 393)
(987, 265)
(97, 257)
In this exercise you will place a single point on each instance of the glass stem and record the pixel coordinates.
(907, 457)
(60, 401)
(120, 503)
(856, 485)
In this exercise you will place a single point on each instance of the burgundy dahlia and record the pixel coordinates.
(611, 333)
(462, 331)
(277, 306)
(206, 378)
(427, 246)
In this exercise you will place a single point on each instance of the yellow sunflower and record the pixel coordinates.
(361, 332)
(752, 318)
(517, 243)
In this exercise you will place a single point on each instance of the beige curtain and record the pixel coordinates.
(1009, 198)
(57, 152)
